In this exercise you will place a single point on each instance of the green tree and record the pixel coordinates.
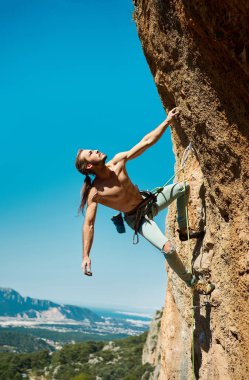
(83, 376)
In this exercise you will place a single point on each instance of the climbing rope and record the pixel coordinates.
(206, 302)
(155, 192)
(185, 155)
(158, 190)
(191, 271)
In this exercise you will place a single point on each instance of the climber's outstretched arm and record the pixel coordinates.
(87, 236)
(148, 140)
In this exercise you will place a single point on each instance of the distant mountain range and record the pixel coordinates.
(12, 304)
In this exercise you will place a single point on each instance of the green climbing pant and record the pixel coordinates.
(151, 232)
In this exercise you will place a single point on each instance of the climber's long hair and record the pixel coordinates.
(81, 167)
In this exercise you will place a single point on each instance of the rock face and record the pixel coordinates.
(198, 53)
(152, 347)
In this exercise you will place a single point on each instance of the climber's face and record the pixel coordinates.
(92, 157)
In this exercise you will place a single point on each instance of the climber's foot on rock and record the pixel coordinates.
(183, 234)
(203, 287)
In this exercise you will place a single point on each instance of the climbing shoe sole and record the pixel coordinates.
(192, 235)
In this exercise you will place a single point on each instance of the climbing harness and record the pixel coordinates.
(144, 208)
(151, 196)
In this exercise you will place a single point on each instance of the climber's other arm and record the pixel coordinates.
(87, 236)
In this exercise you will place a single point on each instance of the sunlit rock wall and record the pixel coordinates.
(198, 53)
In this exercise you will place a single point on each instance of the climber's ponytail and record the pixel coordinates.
(81, 167)
(84, 193)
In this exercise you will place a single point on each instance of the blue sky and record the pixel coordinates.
(73, 75)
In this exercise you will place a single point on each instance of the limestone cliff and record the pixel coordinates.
(152, 347)
(198, 53)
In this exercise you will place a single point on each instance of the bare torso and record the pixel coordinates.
(117, 191)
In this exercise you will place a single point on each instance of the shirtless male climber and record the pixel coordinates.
(113, 188)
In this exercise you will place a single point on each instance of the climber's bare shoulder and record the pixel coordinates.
(119, 159)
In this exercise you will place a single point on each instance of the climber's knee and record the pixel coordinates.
(168, 248)
(184, 186)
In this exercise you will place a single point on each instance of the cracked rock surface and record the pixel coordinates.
(198, 54)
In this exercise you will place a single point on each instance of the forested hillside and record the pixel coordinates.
(119, 359)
